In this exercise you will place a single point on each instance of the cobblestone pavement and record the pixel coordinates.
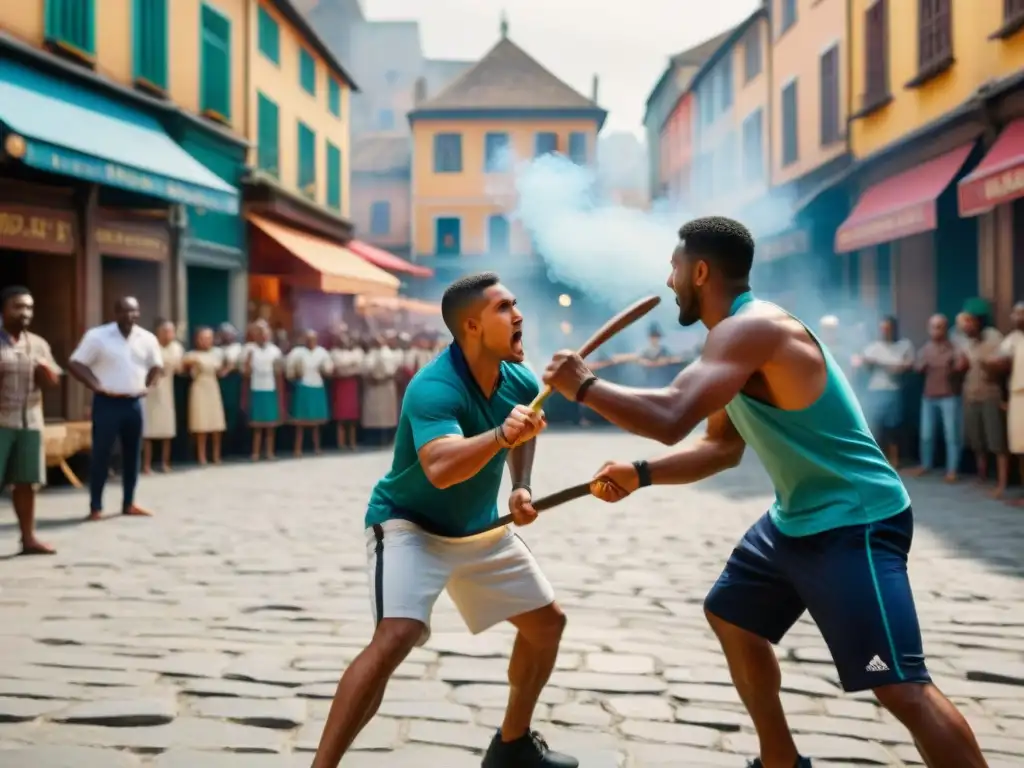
(213, 634)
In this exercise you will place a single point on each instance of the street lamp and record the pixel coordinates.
(565, 300)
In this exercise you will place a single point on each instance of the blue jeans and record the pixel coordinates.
(113, 418)
(949, 409)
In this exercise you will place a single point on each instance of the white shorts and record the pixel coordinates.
(491, 577)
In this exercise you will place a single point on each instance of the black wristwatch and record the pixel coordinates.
(643, 472)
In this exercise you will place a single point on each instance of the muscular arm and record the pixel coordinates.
(451, 460)
(721, 448)
(734, 351)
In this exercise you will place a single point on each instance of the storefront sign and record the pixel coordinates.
(857, 233)
(72, 163)
(149, 242)
(37, 229)
(783, 245)
(982, 194)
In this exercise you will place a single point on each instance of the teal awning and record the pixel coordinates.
(76, 132)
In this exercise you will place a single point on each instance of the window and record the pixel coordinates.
(498, 235)
(307, 161)
(386, 119)
(269, 36)
(787, 15)
(333, 96)
(496, 152)
(307, 71)
(728, 160)
(1013, 10)
(545, 144)
(268, 139)
(935, 33)
(333, 177)
(448, 153)
(724, 85)
(72, 23)
(829, 96)
(753, 146)
(578, 147)
(752, 54)
(380, 218)
(876, 40)
(790, 146)
(215, 64)
(149, 42)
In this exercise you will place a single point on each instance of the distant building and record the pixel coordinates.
(622, 169)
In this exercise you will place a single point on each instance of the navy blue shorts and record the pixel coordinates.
(852, 580)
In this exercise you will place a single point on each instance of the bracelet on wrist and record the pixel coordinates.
(524, 486)
(500, 439)
(587, 384)
(643, 472)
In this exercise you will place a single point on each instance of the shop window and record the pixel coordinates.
(268, 141)
(149, 43)
(334, 96)
(333, 177)
(307, 161)
(215, 64)
(307, 71)
(269, 36)
(71, 24)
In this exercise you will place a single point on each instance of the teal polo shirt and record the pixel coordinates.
(444, 399)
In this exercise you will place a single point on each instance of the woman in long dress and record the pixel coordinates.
(206, 419)
(160, 418)
(380, 392)
(262, 369)
(306, 365)
(347, 365)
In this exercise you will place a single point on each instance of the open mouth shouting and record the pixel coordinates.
(517, 340)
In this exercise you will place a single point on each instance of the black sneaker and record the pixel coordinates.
(528, 751)
(801, 762)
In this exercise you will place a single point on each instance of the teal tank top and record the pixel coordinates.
(826, 467)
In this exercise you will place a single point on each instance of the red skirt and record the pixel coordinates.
(345, 399)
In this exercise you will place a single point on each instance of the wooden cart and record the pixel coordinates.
(63, 440)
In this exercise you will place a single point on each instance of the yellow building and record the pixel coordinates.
(934, 86)
(506, 107)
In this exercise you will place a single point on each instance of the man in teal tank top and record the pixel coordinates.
(836, 539)
(430, 525)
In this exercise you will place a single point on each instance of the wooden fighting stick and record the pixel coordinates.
(622, 320)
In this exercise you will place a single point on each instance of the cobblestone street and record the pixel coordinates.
(213, 635)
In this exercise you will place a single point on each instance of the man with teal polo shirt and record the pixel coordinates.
(465, 416)
(836, 540)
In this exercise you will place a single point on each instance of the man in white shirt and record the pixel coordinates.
(118, 362)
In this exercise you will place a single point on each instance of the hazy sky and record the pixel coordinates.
(625, 43)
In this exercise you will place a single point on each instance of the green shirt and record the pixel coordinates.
(444, 399)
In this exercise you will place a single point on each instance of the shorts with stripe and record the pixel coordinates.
(852, 580)
(490, 577)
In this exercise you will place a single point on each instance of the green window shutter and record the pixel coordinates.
(307, 161)
(334, 97)
(333, 177)
(215, 63)
(269, 34)
(149, 26)
(307, 71)
(73, 23)
(268, 141)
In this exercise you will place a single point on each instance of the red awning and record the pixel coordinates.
(999, 177)
(388, 261)
(900, 206)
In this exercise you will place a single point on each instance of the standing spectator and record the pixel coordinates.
(26, 365)
(984, 418)
(886, 360)
(160, 418)
(206, 422)
(347, 365)
(232, 353)
(306, 365)
(1011, 361)
(943, 364)
(380, 392)
(262, 369)
(119, 362)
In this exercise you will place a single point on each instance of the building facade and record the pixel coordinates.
(104, 150)
(927, 120)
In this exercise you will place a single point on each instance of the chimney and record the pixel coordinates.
(419, 93)
(593, 89)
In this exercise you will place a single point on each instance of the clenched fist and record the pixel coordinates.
(614, 481)
(522, 425)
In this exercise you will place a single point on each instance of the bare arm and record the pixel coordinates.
(721, 448)
(84, 374)
(735, 350)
